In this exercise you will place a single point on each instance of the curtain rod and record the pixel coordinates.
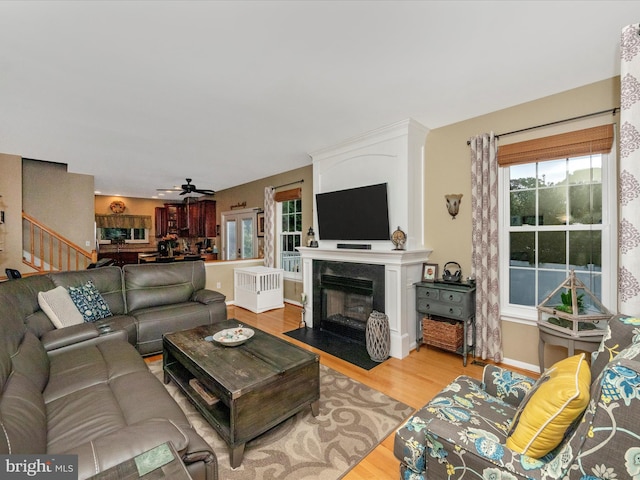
(287, 184)
(610, 110)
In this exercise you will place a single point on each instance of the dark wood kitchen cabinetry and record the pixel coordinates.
(161, 222)
(207, 218)
(196, 219)
(120, 258)
(169, 219)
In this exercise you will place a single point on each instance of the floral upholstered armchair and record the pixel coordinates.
(575, 422)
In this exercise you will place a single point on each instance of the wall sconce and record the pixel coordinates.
(453, 204)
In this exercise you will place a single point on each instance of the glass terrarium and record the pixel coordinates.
(573, 310)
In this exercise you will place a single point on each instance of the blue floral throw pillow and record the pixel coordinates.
(89, 302)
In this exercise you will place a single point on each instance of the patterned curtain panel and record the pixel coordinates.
(269, 227)
(123, 221)
(484, 257)
(629, 182)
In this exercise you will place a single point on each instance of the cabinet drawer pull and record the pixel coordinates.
(451, 310)
(451, 297)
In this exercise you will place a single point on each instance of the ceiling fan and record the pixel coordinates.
(188, 188)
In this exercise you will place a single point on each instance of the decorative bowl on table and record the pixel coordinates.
(232, 337)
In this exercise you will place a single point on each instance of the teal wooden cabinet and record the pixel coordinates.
(446, 301)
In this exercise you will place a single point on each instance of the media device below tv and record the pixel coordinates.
(354, 246)
(360, 214)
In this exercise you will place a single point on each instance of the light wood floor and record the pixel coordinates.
(413, 380)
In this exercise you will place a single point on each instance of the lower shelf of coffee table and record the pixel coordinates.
(218, 414)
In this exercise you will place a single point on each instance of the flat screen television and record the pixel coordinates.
(354, 214)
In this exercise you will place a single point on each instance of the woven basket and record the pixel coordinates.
(442, 334)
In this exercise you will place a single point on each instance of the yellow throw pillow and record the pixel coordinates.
(558, 398)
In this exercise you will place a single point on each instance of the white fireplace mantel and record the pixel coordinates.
(394, 155)
(402, 269)
(373, 257)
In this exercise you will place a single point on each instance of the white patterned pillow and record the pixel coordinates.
(59, 307)
(89, 302)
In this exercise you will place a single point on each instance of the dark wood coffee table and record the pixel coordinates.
(255, 386)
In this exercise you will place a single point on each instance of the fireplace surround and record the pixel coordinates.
(402, 269)
(345, 294)
(393, 155)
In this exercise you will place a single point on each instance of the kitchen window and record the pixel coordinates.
(121, 228)
(123, 235)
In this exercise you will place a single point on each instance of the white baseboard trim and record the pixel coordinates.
(522, 365)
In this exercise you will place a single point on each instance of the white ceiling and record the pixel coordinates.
(144, 94)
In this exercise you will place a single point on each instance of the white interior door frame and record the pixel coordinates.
(237, 216)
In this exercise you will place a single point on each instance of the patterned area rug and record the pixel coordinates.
(353, 420)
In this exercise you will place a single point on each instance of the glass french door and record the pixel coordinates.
(239, 235)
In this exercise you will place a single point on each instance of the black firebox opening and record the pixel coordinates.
(346, 295)
(346, 305)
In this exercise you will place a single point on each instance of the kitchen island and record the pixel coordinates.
(125, 257)
(155, 258)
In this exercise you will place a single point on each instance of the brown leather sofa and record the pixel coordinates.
(79, 390)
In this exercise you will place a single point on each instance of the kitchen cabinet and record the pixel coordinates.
(196, 219)
(169, 219)
(181, 219)
(161, 222)
(209, 221)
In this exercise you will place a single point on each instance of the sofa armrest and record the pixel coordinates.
(208, 296)
(199, 456)
(58, 340)
(509, 386)
(61, 337)
(109, 450)
(609, 426)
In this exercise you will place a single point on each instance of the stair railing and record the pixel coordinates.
(47, 251)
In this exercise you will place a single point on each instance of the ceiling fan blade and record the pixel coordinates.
(205, 191)
(188, 188)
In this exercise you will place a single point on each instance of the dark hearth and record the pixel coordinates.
(336, 345)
